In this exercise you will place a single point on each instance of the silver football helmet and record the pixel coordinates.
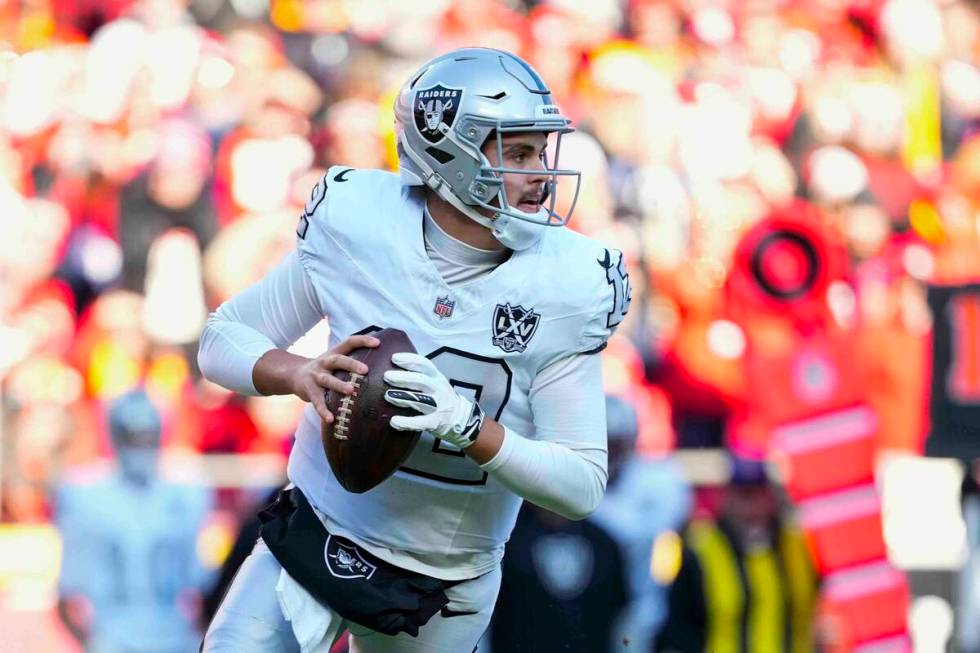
(443, 117)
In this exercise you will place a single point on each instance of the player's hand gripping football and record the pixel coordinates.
(419, 385)
(316, 376)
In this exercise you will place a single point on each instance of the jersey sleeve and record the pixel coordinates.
(326, 225)
(610, 284)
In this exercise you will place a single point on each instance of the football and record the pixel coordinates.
(362, 448)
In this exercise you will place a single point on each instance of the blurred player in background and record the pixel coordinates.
(646, 497)
(576, 574)
(130, 579)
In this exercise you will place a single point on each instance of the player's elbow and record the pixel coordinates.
(205, 349)
(586, 503)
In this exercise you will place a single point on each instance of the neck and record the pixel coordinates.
(460, 226)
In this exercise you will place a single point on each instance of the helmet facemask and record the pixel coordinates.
(487, 189)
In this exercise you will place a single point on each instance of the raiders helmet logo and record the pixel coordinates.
(345, 561)
(434, 106)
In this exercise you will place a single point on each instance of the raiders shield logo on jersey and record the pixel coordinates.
(513, 327)
(346, 561)
(434, 106)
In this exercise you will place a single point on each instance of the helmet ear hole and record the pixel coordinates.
(439, 155)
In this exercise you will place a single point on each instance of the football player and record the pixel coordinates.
(466, 251)
(130, 546)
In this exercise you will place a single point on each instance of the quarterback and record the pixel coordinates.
(466, 252)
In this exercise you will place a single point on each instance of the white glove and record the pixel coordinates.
(423, 388)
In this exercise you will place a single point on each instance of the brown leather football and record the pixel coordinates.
(361, 446)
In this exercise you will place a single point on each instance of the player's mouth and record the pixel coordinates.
(530, 203)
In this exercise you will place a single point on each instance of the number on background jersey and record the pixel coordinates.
(963, 378)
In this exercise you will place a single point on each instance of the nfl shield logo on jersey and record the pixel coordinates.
(513, 327)
(433, 106)
(345, 561)
(444, 307)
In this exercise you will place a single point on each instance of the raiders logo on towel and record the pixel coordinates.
(346, 561)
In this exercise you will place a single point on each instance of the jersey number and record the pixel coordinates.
(482, 379)
(619, 279)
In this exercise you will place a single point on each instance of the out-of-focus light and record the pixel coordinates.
(330, 49)
(113, 62)
(167, 375)
(772, 173)
(369, 19)
(215, 542)
(922, 522)
(842, 303)
(101, 259)
(172, 57)
(714, 135)
(961, 83)
(112, 370)
(925, 221)
(174, 311)
(7, 61)
(836, 174)
(30, 557)
(710, 272)
(277, 414)
(879, 112)
(833, 118)
(263, 168)
(931, 623)
(918, 262)
(799, 50)
(32, 93)
(17, 345)
(726, 339)
(46, 380)
(714, 25)
(215, 73)
(665, 558)
(773, 90)
(914, 27)
(250, 8)
(141, 146)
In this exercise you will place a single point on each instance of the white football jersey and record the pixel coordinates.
(360, 240)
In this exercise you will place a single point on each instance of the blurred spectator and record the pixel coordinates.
(172, 193)
(745, 581)
(645, 496)
(130, 578)
(564, 586)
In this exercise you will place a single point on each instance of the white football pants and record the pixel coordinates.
(249, 619)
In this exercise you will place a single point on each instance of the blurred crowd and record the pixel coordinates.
(155, 156)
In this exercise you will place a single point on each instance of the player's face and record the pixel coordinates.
(525, 151)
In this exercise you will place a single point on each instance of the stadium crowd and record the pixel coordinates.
(155, 156)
